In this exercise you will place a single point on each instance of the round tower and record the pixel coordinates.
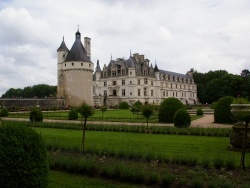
(75, 82)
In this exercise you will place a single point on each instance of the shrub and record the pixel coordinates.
(182, 118)
(213, 105)
(123, 105)
(168, 108)
(36, 114)
(73, 115)
(199, 112)
(222, 111)
(23, 159)
(4, 112)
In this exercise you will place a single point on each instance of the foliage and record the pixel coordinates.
(213, 105)
(36, 115)
(73, 114)
(240, 100)
(213, 85)
(40, 91)
(147, 112)
(4, 112)
(199, 112)
(182, 118)
(123, 105)
(168, 108)
(86, 111)
(222, 111)
(23, 159)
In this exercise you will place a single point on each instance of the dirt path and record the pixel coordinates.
(206, 122)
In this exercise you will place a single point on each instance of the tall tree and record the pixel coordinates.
(86, 111)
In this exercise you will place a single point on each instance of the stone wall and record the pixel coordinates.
(26, 103)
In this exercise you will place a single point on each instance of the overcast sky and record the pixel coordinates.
(177, 34)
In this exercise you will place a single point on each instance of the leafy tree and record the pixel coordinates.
(73, 115)
(222, 110)
(147, 112)
(4, 112)
(136, 108)
(86, 111)
(36, 115)
(103, 109)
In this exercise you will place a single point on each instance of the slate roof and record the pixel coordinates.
(63, 46)
(174, 74)
(77, 51)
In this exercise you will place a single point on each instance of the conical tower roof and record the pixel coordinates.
(77, 51)
(63, 46)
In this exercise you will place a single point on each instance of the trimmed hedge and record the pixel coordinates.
(36, 115)
(199, 112)
(182, 118)
(222, 110)
(73, 115)
(123, 105)
(23, 158)
(4, 112)
(168, 108)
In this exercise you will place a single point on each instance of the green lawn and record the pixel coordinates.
(168, 145)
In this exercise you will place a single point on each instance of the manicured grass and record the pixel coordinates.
(167, 145)
(58, 179)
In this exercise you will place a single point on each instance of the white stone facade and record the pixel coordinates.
(134, 79)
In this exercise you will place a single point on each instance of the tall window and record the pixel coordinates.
(145, 81)
(123, 92)
(114, 83)
(123, 82)
(105, 93)
(152, 93)
(152, 83)
(139, 82)
(105, 83)
(114, 92)
(139, 92)
(145, 91)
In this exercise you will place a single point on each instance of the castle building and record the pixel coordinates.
(135, 79)
(75, 72)
(127, 80)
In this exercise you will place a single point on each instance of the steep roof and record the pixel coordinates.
(63, 46)
(98, 68)
(173, 73)
(77, 51)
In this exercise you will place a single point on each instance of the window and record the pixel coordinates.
(114, 83)
(130, 72)
(152, 83)
(123, 92)
(63, 55)
(130, 93)
(123, 82)
(72, 64)
(145, 81)
(65, 64)
(105, 83)
(152, 93)
(139, 82)
(105, 93)
(89, 65)
(130, 82)
(145, 91)
(139, 92)
(163, 93)
(81, 64)
(114, 92)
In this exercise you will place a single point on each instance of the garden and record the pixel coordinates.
(136, 155)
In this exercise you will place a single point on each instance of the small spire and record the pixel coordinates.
(130, 53)
(78, 28)
(111, 56)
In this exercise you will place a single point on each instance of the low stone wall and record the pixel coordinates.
(27, 103)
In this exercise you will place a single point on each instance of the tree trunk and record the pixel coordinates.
(83, 134)
(147, 126)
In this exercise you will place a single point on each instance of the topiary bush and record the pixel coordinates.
(168, 108)
(182, 118)
(73, 115)
(123, 105)
(199, 112)
(4, 112)
(23, 158)
(213, 105)
(222, 110)
(36, 115)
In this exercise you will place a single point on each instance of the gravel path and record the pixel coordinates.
(206, 122)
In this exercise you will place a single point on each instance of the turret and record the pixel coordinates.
(157, 72)
(62, 52)
(98, 71)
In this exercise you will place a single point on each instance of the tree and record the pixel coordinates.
(147, 112)
(136, 108)
(86, 111)
(103, 109)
